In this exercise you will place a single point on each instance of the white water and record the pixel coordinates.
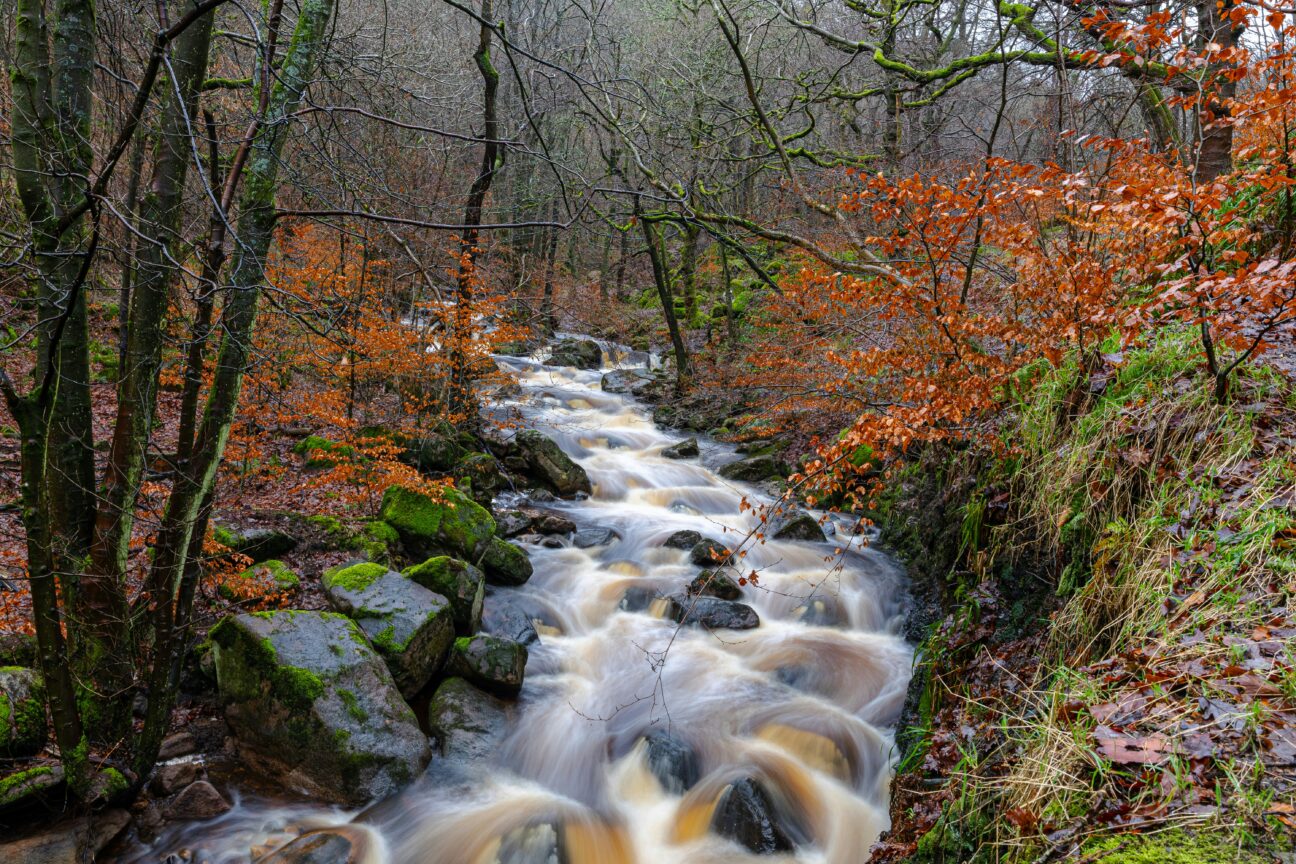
(805, 709)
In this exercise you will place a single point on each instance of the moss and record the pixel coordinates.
(114, 783)
(455, 523)
(356, 578)
(225, 537)
(1171, 847)
(14, 785)
(320, 452)
(352, 705)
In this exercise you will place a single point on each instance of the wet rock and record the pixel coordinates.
(490, 662)
(29, 784)
(505, 563)
(177, 744)
(306, 694)
(791, 523)
(686, 449)
(715, 583)
(66, 843)
(454, 525)
(105, 827)
(821, 612)
(580, 353)
(483, 477)
(168, 779)
(745, 814)
(530, 844)
(22, 712)
(410, 626)
(632, 381)
(754, 469)
(468, 724)
(460, 583)
(708, 552)
(549, 542)
(503, 615)
(549, 522)
(259, 544)
(199, 800)
(511, 523)
(638, 599)
(545, 463)
(712, 613)
(683, 540)
(588, 538)
(672, 762)
(342, 844)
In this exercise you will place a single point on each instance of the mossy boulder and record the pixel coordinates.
(580, 353)
(439, 449)
(715, 583)
(708, 552)
(481, 473)
(791, 523)
(411, 627)
(322, 453)
(459, 582)
(505, 563)
(259, 544)
(686, 449)
(309, 697)
(454, 525)
(546, 464)
(37, 783)
(262, 580)
(376, 540)
(753, 469)
(22, 712)
(491, 662)
(468, 724)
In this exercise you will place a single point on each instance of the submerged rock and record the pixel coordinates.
(715, 583)
(686, 449)
(712, 613)
(580, 353)
(459, 582)
(411, 627)
(793, 523)
(546, 464)
(454, 525)
(306, 693)
(22, 712)
(639, 598)
(491, 662)
(672, 762)
(468, 724)
(588, 538)
(745, 814)
(342, 844)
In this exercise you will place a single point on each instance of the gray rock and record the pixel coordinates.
(505, 563)
(672, 762)
(306, 693)
(580, 353)
(546, 464)
(638, 598)
(744, 813)
(67, 843)
(468, 724)
(792, 523)
(177, 744)
(460, 583)
(821, 612)
(632, 381)
(411, 627)
(712, 613)
(683, 540)
(22, 712)
(259, 544)
(708, 553)
(168, 779)
(503, 615)
(490, 662)
(754, 469)
(199, 800)
(686, 449)
(715, 583)
(588, 538)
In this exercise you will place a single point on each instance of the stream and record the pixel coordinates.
(801, 707)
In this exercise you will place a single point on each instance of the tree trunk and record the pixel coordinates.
(664, 294)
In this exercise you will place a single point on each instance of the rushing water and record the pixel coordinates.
(803, 704)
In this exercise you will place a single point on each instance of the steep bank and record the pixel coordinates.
(1103, 610)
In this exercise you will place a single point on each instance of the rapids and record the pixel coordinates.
(803, 708)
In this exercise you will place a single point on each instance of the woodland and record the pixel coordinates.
(1004, 293)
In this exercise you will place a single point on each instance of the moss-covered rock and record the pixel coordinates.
(259, 544)
(459, 582)
(490, 662)
(411, 627)
(454, 525)
(791, 523)
(320, 452)
(22, 712)
(505, 563)
(715, 583)
(264, 579)
(439, 449)
(481, 473)
(546, 464)
(753, 469)
(1172, 847)
(468, 724)
(28, 784)
(306, 694)
(579, 353)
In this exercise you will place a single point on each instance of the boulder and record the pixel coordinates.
(459, 582)
(754, 469)
(322, 453)
(411, 627)
(490, 662)
(503, 615)
(259, 544)
(454, 525)
(708, 552)
(199, 800)
(260, 580)
(483, 477)
(715, 583)
(341, 844)
(792, 523)
(745, 814)
(546, 464)
(712, 613)
(468, 724)
(505, 563)
(639, 598)
(683, 540)
(66, 843)
(632, 381)
(580, 353)
(672, 762)
(169, 779)
(308, 695)
(532, 520)
(22, 712)
(686, 449)
(177, 744)
(29, 784)
(588, 538)
(437, 450)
